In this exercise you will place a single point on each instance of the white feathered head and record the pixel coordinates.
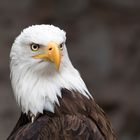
(40, 68)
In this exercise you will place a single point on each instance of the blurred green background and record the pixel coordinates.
(103, 40)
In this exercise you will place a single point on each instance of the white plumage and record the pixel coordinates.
(36, 83)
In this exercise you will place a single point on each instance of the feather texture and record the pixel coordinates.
(77, 118)
(59, 99)
(40, 78)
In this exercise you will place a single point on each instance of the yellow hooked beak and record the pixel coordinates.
(52, 53)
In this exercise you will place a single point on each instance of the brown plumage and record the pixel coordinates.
(75, 118)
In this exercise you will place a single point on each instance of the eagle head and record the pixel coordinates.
(40, 68)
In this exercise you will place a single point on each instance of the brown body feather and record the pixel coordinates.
(75, 118)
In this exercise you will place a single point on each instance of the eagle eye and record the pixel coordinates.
(35, 47)
(61, 46)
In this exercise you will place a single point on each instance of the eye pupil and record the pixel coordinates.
(34, 47)
(61, 46)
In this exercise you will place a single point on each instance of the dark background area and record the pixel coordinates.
(103, 40)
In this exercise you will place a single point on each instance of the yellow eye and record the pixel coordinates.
(35, 47)
(61, 46)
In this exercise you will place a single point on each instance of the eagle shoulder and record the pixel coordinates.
(68, 127)
(76, 118)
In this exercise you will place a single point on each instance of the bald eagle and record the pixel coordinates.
(55, 102)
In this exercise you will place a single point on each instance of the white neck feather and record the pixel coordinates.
(36, 91)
